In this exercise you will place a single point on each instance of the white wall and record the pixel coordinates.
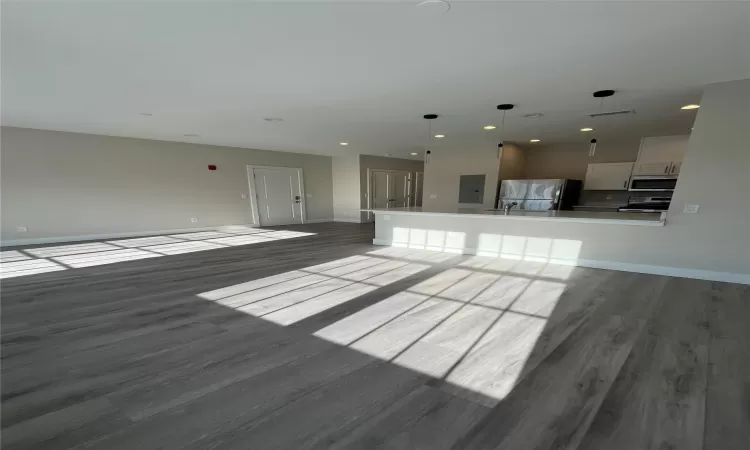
(69, 184)
(346, 188)
(445, 167)
(714, 175)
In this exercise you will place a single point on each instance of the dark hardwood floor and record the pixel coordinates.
(353, 346)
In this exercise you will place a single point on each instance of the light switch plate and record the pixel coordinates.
(433, 195)
(691, 209)
(194, 219)
(22, 229)
(308, 195)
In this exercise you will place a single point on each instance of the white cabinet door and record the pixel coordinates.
(663, 148)
(608, 177)
(652, 168)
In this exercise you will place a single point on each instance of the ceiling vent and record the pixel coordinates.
(613, 113)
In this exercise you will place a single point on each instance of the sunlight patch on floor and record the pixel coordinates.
(292, 296)
(474, 329)
(61, 257)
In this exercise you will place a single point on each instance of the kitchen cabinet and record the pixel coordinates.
(661, 155)
(652, 168)
(660, 149)
(608, 176)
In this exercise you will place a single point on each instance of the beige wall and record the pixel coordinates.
(370, 162)
(512, 162)
(346, 188)
(69, 184)
(571, 160)
(715, 243)
(446, 166)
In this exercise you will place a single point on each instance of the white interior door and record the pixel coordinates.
(278, 191)
(389, 189)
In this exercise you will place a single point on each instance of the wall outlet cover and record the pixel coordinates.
(308, 195)
(691, 209)
(22, 229)
(194, 219)
(433, 195)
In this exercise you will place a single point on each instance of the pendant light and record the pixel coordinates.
(600, 95)
(505, 107)
(428, 152)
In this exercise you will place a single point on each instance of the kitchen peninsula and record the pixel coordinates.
(591, 239)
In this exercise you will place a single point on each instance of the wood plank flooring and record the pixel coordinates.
(326, 341)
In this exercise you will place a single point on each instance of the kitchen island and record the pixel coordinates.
(592, 239)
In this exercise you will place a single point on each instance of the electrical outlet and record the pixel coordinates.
(22, 229)
(691, 209)
(433, 195)
(194, 219)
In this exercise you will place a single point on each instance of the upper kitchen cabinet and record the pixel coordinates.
(608, 176)
(661, 155)
(652, 168)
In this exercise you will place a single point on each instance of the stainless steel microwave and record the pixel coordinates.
(653, 183)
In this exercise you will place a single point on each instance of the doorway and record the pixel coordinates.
(276, 195)
(390, 189)
(418, 189)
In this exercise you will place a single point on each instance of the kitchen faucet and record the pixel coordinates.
(508, 206)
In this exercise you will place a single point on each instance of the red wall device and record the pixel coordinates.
(211, 167)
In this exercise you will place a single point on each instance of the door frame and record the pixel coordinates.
(419, 176)
(370, 180)
(253, 197)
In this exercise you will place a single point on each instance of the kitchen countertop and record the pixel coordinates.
(647, 219)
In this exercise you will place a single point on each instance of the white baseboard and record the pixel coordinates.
(680, 272)
(96, 237)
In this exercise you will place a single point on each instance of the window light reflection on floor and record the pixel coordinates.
(15, 263)
(290, 297)
(473, 329)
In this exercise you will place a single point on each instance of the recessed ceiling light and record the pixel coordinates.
(533, 116)
(413, 153)
(439, 136)
(343, 143)
(146, 114)
(535, 140)
(587, 129)
(490, 127)
(691, 107)
(273, 119)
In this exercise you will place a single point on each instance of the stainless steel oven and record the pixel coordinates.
(653, 183)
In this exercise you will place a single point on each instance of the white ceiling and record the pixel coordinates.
(363, 73)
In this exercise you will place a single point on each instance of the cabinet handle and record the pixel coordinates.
(666, 169)
(672, 171)
(625, 184)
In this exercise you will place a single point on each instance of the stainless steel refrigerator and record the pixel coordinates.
(539, 195)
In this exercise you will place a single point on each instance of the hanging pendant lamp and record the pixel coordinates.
(600, 95)
(427, 151)
(505, 107)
